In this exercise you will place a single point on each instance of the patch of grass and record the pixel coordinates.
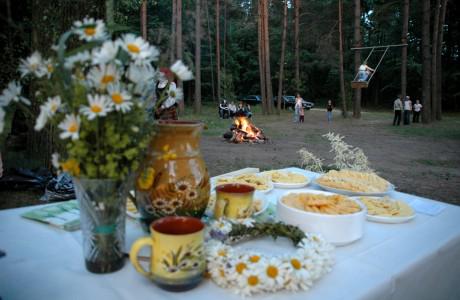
(215, 126)
(448, 128)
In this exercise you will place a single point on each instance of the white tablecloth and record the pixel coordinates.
(415, 260)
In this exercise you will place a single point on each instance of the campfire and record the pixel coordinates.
(243, 130)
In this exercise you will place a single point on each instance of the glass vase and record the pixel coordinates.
(102, 216)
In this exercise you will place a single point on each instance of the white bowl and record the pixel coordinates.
(337, 229)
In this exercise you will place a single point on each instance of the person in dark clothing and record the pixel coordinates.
(329, 109)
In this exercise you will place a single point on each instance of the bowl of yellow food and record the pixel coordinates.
(387, 210)
(339, 219)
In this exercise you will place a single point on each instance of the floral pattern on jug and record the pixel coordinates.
(174, 179)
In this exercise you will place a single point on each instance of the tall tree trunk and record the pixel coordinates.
(405, 28)
(179, 46)
(172, 45)
(434, 56)
(296, 44)
(197, 105)
(342, 77)
(439, 60)
(357, 38)
(144, 19)
(268, 76)
(283, 49)
(261, 43)
(109, 12)
(426, 66)
(218, 49)
(210, 53)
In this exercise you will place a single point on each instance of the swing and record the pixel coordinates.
(358, 83)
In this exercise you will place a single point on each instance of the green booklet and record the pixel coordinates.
(65, 215)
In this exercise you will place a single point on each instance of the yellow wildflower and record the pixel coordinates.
(71, 166)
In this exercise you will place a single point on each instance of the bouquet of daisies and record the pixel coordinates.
(98, 95)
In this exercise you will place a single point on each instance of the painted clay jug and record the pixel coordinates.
(174, 180)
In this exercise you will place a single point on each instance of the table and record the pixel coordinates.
(415, 260)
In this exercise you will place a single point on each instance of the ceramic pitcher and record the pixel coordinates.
(173, 181)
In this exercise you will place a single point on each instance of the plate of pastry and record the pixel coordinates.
(287, 179)
(387, 210)
(354, 183)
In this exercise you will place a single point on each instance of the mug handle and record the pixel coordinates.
(137, 246)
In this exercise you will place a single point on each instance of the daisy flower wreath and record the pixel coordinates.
(249, 272)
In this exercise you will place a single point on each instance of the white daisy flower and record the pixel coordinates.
(70, 126)
(103, 75)
(181, 71)
(175, 94)
(121, 99)
(33, 65)
(99, 106)
(162, 80)
(90, 29)
(53, 104)
(12, 93)
(55, 160)
(143, 77)
(47, 110)
(49, 67)
(250, 283)
(79, 58)
(2, 119)
(140, 74)
(106, 53)
(139, 50)
(41, 119)
(273, 275)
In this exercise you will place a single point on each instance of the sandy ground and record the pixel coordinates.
(424, 166)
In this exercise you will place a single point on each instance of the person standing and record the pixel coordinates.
(329, 109)
(301, 113)
(298, 104)
(417, 110)
(407, 110)
(397, 108)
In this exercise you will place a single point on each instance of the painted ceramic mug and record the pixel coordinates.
(177, 262)
(234, 201)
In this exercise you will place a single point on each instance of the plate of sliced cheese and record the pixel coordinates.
(354, 183)
(287, 179)
(387, 210)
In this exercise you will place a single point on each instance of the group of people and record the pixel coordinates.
(230, 110)
(299, 111)
(404, 109)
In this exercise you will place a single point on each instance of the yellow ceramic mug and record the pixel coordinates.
(234, 201)
(177, 260)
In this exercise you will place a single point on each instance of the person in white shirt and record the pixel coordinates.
(397, 108)
(407, 110)
(417, 110)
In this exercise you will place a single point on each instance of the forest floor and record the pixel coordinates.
(418, 159)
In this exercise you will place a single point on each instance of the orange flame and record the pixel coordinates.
(242, 123)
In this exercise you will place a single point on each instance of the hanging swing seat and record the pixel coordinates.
(358, 82)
